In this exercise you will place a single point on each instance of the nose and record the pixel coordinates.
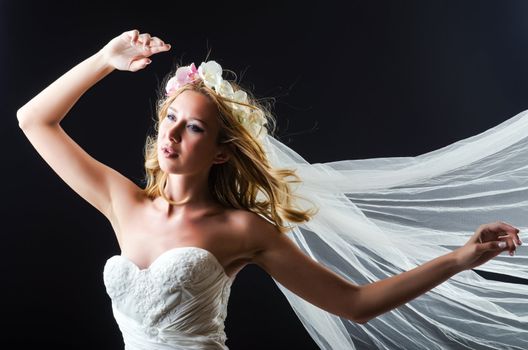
(174, 132)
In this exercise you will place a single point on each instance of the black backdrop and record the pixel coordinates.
(355, 79)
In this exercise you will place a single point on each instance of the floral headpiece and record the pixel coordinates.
(210, 73)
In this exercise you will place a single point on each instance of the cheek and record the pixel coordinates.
(161, 128)
(162, 131)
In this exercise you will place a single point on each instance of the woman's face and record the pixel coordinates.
(187, 136)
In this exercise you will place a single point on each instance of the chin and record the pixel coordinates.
(164, 166)
(169, 168)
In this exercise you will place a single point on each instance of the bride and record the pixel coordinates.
(223, 193)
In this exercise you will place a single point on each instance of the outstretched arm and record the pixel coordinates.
(288, 265)
(39, 119)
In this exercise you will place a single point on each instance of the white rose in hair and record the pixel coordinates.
(211, 74)
(225, 89)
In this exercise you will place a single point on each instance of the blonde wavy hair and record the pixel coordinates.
(246, 176)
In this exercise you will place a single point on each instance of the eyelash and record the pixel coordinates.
(195, 128)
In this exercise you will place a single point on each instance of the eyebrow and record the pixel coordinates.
(175, 110)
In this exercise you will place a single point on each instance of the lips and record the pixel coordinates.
(169, 151)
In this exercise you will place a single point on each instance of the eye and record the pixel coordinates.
(195, 128)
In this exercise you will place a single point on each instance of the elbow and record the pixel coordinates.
(356, 318)
(357, 313)
(361, 320)
(22, 122)
(28, 119)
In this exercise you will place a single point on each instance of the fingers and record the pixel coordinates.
(157, 49)
(501, 226)
(495, 245)
(139, 64)
(133, 36)
(504, 243)
(147, 43)
(155, 41)
(510, 237)
(513, 233)
(145, 39)
(157, 45)
(137, 39)
(510, 244)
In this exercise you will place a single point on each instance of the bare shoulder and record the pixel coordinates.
(258, 233)
(261, 237)
(246, 220)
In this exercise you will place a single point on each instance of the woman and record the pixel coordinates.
(220, 195)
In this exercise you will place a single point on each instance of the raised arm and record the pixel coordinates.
(288, 265)
(39, 119)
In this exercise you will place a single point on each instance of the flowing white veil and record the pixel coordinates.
(380, 217)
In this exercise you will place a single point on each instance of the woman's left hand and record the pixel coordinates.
(488, 241)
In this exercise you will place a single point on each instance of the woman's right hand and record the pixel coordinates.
(131, 50)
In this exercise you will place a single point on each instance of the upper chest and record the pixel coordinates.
(145, 233)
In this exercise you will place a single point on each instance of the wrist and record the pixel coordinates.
(102, 62)
(456, 261)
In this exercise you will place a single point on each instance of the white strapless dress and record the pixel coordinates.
(178, 302)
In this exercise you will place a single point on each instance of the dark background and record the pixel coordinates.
(351, 80)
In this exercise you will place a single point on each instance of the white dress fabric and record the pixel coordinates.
(383, 216)
(178, 302)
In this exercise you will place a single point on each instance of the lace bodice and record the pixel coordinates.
(178, 302)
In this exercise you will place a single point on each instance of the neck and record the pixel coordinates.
(193, 190)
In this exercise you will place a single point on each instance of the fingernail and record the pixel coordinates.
(502, 244)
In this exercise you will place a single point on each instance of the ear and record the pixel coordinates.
(222, 155)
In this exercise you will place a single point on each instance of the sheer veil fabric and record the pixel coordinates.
(383, 216)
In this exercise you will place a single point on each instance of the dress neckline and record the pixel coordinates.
(172, 250)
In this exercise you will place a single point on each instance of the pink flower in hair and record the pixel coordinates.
(184, 75)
